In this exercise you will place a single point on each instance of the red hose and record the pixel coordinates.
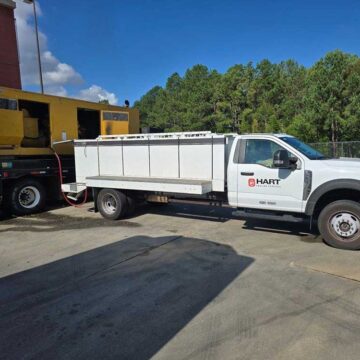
(61, 182)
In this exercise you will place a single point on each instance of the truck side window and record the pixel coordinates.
(260, 151)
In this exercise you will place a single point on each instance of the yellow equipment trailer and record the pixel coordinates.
(30, 123)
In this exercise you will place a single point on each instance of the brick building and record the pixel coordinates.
(9, 56)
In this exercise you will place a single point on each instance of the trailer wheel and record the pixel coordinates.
(26, 196)
(339, 224)
(111, 203)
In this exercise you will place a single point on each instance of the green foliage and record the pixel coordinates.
(320, 103)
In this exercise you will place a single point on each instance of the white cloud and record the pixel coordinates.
(57, 90)
(94, 93)
(54, 71)
(56, 74)
(97, 93)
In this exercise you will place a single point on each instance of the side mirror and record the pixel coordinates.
(281, 160)
(293, 162)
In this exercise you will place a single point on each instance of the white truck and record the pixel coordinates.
(271, 176)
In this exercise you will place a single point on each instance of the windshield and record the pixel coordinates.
(305, 149)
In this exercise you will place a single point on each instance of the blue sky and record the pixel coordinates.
(129, 46)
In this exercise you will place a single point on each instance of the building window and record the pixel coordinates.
(8, 104)
(115, 116)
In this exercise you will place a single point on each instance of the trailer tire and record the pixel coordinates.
(26, 196)
(111, 203)
(339, 224)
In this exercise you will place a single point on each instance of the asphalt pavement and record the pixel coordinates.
(173, 282)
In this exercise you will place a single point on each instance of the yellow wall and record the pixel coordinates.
(63, 117)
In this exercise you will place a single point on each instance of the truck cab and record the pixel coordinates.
(279, 173)
(254, 181)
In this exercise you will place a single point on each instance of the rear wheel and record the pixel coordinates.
(111, 203)
(26, 196)
(339, 224)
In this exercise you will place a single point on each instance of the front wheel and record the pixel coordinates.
(111, 203)
(339, 224)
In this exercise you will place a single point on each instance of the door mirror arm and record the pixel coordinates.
(293, 162)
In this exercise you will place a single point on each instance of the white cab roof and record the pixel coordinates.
(265, 134)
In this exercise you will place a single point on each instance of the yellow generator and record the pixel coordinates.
(30, 123)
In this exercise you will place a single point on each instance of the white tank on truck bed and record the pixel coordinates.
(187, 162)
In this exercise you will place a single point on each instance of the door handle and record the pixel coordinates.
(247, 173)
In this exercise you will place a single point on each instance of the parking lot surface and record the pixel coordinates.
(173, 282)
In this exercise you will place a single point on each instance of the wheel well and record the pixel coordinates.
(334, 195)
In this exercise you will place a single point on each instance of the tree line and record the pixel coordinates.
(320, 103)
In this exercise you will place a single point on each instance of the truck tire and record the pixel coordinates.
(111, 203)
(339, 224)
(26, 196)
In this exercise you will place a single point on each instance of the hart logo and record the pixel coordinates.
(263, 182)
(267, 181)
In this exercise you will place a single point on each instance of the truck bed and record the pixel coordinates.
(159, 162)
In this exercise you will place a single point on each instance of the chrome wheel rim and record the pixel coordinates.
(109, 204)
(29, 197)
(345, 225)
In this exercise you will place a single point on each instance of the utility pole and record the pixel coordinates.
(37, 43)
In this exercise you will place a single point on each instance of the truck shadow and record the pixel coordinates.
(125, 300)
(300, 230)
(6, 215)
(224, 214)
(50, 222)
(190, 211)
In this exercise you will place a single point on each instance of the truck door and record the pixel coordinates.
(262, 186)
